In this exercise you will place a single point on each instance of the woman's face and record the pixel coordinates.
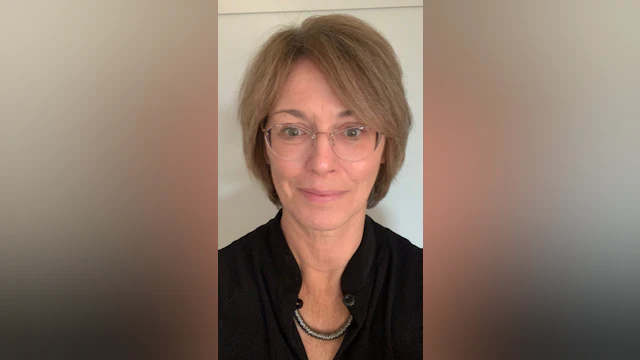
(322, 191)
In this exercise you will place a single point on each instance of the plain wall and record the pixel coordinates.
(242, 204)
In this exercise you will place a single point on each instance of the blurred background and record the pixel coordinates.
(532, 145)
(108, 171)
(107, 178)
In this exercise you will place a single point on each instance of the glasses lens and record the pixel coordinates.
(294, 143)
(355, 143)
(290, 142)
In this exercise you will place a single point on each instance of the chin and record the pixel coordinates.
(321, 218)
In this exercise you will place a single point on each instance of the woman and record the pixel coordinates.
(325, 125)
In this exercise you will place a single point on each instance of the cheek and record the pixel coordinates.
(364, 175)
(284, 173)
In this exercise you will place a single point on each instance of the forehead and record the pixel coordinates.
(307, 86)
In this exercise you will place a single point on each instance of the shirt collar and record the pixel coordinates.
(356, 280)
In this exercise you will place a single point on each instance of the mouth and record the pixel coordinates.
(321, 196)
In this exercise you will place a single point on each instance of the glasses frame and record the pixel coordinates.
(267, 135)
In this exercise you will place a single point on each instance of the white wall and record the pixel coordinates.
(242, 205)
(259, 6)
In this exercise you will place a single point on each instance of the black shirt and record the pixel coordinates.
(259, 282)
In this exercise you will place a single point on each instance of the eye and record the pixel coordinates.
(353, 132)
(292, 131)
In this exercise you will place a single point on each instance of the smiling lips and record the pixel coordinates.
(315, 195)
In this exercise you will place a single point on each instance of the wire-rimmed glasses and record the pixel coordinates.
(294, 142)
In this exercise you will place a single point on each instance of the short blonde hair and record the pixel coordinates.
(361, 67)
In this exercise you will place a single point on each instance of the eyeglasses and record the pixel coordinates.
(295, 143)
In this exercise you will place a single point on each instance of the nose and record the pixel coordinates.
(322, 159)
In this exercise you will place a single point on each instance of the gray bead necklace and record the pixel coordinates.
(317, 334)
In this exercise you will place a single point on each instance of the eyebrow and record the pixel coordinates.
(345, 113)
(295, 113)
(301, 115)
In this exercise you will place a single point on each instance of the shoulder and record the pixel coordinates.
(405, 260)
(404, 290)
(242, 247)
(239, 282)
(402, 264)
(404, 255)
(237, 261)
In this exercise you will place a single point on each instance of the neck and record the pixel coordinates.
(322, 255)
